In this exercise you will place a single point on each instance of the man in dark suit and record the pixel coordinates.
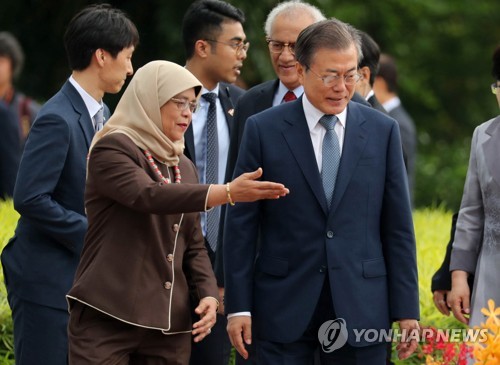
(341, 245)
(386, 88)
(10, 151)
(215, 45)
(368, 69)
(40, 260)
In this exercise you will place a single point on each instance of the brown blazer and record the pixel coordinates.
(142, 256)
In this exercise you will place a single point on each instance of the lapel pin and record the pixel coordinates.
(230, 112)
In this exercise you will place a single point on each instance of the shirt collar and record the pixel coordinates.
(391, 104)
(204, 91)
(282, 90)
(91, 104)
(313, 115)
(370, 94)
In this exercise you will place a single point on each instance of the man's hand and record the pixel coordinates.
(409, 338)
(239, 329)
(207, 309)
(439, 298)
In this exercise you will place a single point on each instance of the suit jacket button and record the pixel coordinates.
(329, 234)
(175, 227)
(170, 257)
(322, 269)
(167, 285)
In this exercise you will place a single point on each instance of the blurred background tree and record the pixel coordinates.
(443, 49)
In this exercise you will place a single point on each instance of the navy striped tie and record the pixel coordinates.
(331, 156)
(212, 168)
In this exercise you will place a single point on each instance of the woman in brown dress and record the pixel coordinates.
(144, 252)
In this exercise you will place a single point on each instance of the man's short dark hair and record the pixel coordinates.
(371, 55)
(94, 27)
(496, 64)
(389, 72)
(11, 49)
(203, 20)
(331, 34)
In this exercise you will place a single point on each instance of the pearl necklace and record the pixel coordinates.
(177, 171)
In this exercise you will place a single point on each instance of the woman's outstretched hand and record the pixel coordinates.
(246, 188)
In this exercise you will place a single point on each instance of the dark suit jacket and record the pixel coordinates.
(141, 252)
(376, 104)
(408, 139)
(228, 96)
(40, 260)
(364, 242)
(10, 151)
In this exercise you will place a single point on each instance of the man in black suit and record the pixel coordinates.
(386, 88)
(10, 151)
(40, 261)
(215, 45)
(368, 69)
(343, 234)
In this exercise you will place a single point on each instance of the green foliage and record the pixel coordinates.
(440, 172)
(8, 221)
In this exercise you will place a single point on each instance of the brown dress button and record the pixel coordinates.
(175, 227)
(167, 285)
(170, 257)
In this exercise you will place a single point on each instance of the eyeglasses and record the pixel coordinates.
(495, 88)
(238, 47)
(183, 104)
(278, 47)
(331, 80)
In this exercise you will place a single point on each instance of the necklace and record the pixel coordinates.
(177, 171)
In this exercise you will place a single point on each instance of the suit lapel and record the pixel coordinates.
(266, 97)
(298, 139)
(84, 119)
(189, 144)
(227, 105)
(491, 149)
(354, 142)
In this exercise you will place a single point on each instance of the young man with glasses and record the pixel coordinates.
(216, 46)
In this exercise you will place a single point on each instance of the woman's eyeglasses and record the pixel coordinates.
(183, 104)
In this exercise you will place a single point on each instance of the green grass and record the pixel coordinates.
(432, 229)
(8, 221)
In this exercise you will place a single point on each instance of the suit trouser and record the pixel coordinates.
(40, 333)
(305, 349)
(215, 348)
(96, 338)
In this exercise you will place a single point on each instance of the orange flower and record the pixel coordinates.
(488, 352)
